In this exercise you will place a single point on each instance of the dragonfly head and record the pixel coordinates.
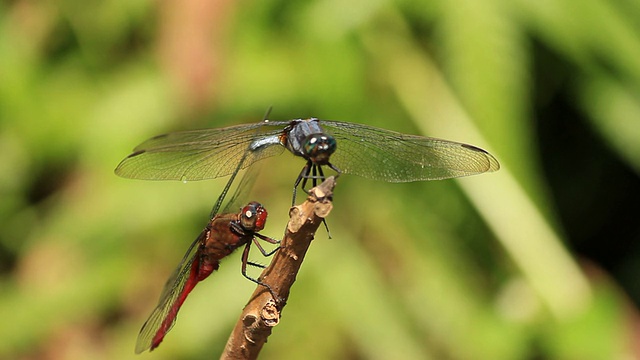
(319, 147)
(253, 217)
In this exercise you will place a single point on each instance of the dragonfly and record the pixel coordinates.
(344, 147)
(225, 232)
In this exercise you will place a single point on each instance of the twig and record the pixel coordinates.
(262, 312)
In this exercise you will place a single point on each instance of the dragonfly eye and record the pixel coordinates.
(319, 147)
(253, 217)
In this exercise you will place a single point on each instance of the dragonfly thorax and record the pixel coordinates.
(319, 147)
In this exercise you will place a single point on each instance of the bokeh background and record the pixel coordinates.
(537, 261)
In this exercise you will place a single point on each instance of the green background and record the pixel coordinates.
(537, 261)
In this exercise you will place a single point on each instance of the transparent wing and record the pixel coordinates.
(200, 154)
(175, 291)
(240, 196)
(390, 156)
(248, 179)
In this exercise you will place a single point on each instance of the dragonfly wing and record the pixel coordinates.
(199, 154)
(241, 192)
(175, 291)
(260, 144)
(390, 156)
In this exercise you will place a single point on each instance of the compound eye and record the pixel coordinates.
(248, 217)
(319, 147)
(253, 217)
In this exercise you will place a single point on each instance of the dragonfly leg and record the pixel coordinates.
(320, 175)
(307, 170)
(324, 221)
(255, 264)
(303, 176)
(335, 168)
(269, 240)
(245, 262)
(314, 176)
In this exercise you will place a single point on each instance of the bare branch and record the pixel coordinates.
(262, 312)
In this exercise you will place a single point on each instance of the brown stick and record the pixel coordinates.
(262, 312)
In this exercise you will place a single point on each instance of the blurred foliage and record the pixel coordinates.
(537, 261)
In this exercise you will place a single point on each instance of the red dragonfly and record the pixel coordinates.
(224, 233)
